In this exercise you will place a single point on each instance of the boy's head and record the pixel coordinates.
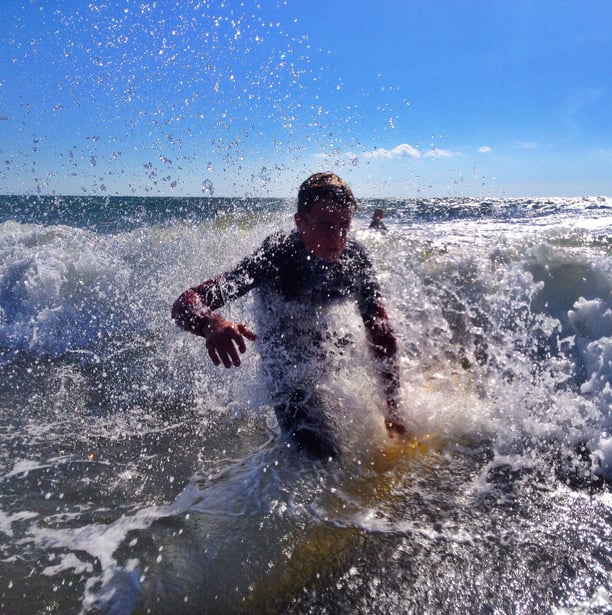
(324, 213)
(324, 186)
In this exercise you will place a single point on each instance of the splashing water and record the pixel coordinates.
(137, 476)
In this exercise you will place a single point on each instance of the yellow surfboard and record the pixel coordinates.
(257, 561)
(319, 548)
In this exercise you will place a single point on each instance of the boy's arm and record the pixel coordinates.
(383, 344)
(224, 339)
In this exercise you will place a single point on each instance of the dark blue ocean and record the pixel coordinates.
(135, 477)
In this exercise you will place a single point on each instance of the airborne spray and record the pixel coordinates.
(137, 477)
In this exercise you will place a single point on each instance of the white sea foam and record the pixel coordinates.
(505, 330)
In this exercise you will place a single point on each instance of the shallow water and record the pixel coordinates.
(136, 477)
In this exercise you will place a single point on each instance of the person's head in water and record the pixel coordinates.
(379, 214)
(325, 210)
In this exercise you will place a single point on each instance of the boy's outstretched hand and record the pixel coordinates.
(224, 339)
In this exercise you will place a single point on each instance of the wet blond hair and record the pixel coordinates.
(324, 186)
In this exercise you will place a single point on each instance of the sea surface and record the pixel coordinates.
(135, 477)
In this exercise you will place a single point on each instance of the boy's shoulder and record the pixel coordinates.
(280, 241)
(358, 249)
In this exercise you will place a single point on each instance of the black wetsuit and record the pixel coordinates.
(283, 265)
(378, 224)
(293, 287)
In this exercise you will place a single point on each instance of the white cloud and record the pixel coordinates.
(404, 150)
(485, 149)
(378, 153)
(529, 145)
(439, 153)
(399, 151)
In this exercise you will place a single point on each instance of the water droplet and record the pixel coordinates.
(207, 187)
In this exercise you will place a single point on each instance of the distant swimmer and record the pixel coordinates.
(377, 220)
(298, 277)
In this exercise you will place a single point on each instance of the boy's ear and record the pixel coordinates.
(299, 221)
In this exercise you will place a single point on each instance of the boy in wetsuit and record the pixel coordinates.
(299, 276)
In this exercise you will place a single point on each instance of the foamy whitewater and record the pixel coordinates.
(138, 478)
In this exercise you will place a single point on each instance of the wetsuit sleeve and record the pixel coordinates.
(369, 298)
(194, 306)
(381, 337)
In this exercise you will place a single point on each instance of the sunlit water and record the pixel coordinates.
(137, 477)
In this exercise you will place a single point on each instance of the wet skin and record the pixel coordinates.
(325, 229)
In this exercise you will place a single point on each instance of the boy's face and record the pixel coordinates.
(324, 230)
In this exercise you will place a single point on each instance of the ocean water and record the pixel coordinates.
(138, 478)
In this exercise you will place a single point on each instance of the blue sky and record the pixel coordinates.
(229, 97)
